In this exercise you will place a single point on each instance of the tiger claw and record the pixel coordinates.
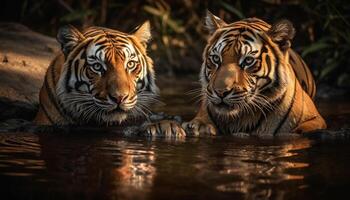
(165, 128)
(198, 128)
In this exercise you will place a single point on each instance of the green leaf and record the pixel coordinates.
(315, 47)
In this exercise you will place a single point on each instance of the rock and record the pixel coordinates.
(24, 58)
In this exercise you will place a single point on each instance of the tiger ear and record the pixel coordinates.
(213, 22)
(143, 33)
(68, 36)
(282, 33)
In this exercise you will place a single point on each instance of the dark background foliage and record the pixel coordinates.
(323, 27)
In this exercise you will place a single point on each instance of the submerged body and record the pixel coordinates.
(102, 77)
(253, 82)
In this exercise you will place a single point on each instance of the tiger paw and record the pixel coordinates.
(164, 128)
(199, 128)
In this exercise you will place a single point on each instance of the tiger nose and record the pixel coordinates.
(118, 98)
(223, 92)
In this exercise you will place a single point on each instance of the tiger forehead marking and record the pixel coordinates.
(239, 37)
(111, 54)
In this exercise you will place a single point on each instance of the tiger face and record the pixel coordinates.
(240, 71)
(107, 76)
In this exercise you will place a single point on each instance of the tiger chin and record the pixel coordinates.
(102, 77)
(253, 82)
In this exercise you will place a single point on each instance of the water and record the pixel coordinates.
(42, 166)
(104, 165)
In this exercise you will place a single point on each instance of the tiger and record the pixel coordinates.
(102, 77)
(252, 82)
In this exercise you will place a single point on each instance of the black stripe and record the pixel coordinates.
(120, 54)
(248, 31)
(68, 88)
(246, 43)
(247, 37)
(277, 63)
(261, 119)
(76, 69)
(122, 46)
(266, 84)
(83, 55)
(226, 40)
(256, 27)
(263, 25)
(78, 84)
(309, 86)
(99, 48)
(61, 110)
(149, 78)
(158, 129)
(256, 67)
(229, 36)
(98, 38)
(289, 109)
(254, 52)
(49, 94)
(122, 41)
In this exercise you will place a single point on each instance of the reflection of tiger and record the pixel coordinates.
(253, 82)
(103, 77)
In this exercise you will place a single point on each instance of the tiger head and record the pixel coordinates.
(107, 76)
(243, 65)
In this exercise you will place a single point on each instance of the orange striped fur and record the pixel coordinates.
(253, 82)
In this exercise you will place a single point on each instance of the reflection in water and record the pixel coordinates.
(19, 155)
(87, 167)
(49, 166)
(252, 169)
(135, 173)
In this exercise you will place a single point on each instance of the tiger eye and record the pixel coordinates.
(97, 67)
(131, 64)
(248, 61)
(216, 59)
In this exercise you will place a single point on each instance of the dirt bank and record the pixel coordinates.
(24, 58)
